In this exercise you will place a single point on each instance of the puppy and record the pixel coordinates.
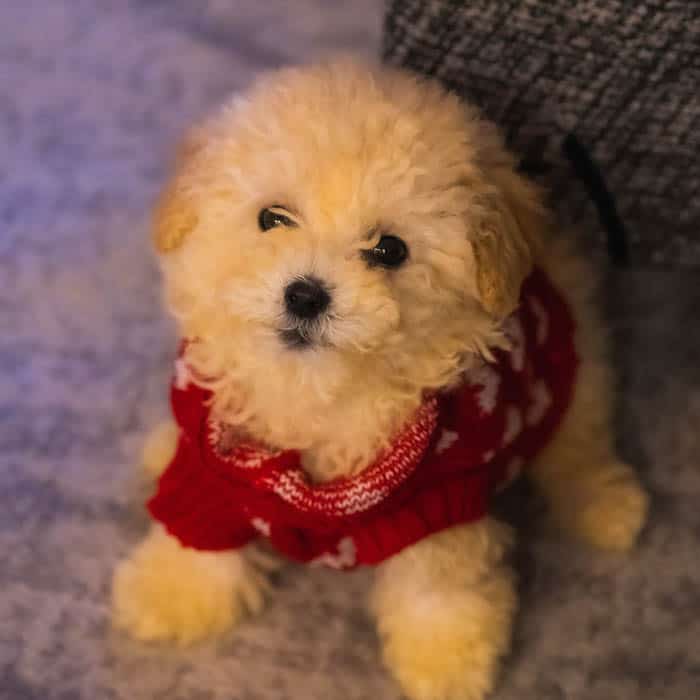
(380, 329)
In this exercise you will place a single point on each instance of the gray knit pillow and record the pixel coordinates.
(600, 97)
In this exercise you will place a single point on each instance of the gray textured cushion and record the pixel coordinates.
(622, 76)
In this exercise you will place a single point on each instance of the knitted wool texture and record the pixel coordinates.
(222, 491)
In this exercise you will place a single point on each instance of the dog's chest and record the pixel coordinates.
(351, 435)
(340, 458)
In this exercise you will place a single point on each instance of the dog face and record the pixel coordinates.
(343, 227)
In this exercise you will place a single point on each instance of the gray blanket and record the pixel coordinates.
(600, 96)
(92, 94)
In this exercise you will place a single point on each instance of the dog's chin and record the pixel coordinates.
(300, 339)
(295, 339)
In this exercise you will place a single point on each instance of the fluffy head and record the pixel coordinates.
(350, 153)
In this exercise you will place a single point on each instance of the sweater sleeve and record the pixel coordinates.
(199, 506)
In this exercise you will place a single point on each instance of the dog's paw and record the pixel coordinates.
(165, 592)
(614, 512)
(451, 649)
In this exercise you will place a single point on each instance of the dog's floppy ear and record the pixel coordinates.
(512, 230)
(175, 215)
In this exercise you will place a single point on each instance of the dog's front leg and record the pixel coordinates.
(444, 610)
(164, 591)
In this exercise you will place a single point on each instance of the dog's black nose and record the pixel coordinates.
(306, 298)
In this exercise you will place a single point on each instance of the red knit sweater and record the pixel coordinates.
(221, 491)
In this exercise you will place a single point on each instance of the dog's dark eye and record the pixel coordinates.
(269, 217)
(389, 252)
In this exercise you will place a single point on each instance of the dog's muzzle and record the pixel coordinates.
(305, 299)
